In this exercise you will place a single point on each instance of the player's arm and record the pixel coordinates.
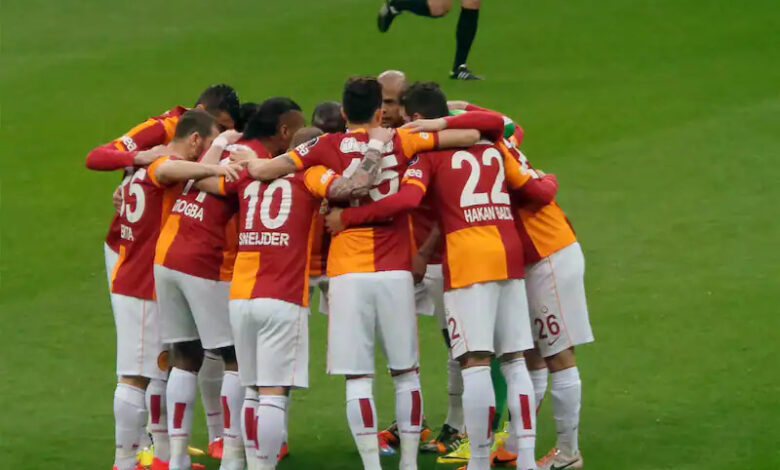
(169, 171)
(532, 187)
(408, 197)
(431, 244)
(540, 191)
(134, 148)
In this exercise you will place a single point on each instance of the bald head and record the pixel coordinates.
(327, 116)
(304, 135)
(393, 84)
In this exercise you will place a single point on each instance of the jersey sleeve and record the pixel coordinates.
(152, 168)
(233, 187)
(540, 191)
(408, 197)
(108, 158)
(120, 152)
(311, 153)
(490, 124)
(413, 143)
(419, 172)
(318, 180)
(516, 176)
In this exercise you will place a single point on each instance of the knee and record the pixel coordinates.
(228, 354)
(135, 381)
(439, 7)
(474, 359)
(534, 360)
(563, 360)
(188, 355)
(471, 4)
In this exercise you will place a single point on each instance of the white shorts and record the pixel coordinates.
(272, 342)
(429, 294)
(193, 308)
(556, 298)
(363, 305)
(111, 258)
(139, 349)
(321, 282)
(488, 316)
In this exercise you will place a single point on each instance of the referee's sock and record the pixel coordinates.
(464, 35)
(418, 7)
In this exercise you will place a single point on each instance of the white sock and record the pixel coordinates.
(232, 440)
(129, 414)
(144, 441)
(210, 383)
(248, 431)
(479, 407)
(520, 401)
(455, 390)
(408, 415)
(181, 391)
(270, 429)
(361, 416)
(566, 392)
(539, 379)
(158, 419)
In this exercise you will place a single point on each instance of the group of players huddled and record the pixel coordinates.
(394, 202)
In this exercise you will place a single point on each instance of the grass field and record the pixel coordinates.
(661, 119)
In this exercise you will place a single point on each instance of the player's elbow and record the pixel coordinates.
(91, 160)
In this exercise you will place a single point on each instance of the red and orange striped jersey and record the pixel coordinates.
(200, 237)
(319, 247)
(275, 234)
(157, 130)
(543, 229)
(470, 194)
(380, 246)
(145, 205)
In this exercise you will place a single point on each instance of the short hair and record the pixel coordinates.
(362, 98)
(327, 116)
(265, 121)
(245, 112)
(305, 134)
(219, 98)
(195, 121)
(425, 99)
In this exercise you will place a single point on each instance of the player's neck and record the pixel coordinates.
(271, 145)
(354, 126)
(177, 149)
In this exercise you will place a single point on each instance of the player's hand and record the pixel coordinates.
(419, 266)
(333, 221)
(243, 154)
(116, 198)
(453, 105)
(426, 125)
(230, 136)
(381, 133)
(231, 171)
(146, 157)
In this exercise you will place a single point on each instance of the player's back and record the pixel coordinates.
(480, 240)
(145, 205)
(274, 240)
(379, 246)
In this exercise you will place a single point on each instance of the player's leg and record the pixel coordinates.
(245, 327)
(561, 322)
(397, 330)
(283, 359)
(512, 336)
(464, 37)
(471, 316)
(178, 395)
(393, 8)
(139, 351)
(351, 328)
(537, 369)
(210, 384)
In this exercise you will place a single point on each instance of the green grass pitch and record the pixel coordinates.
(661, 119)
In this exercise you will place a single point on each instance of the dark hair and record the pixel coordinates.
(195, 121)
(362, 98)
(245, 113)
(218, 98)
(265, 121)
(426, 99)
(327, 116)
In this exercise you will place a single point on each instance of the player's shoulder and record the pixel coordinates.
(174, 112)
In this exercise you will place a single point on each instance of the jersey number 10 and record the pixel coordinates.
(252, 192)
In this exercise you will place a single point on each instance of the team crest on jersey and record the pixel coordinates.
(413, 160)
(352, 145)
